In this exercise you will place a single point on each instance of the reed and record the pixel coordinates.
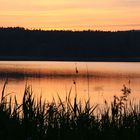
(35, 119)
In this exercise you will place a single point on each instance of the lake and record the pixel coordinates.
(98, 80)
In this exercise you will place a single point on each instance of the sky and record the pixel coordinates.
(71, 14)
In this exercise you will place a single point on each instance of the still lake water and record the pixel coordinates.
(98, 80)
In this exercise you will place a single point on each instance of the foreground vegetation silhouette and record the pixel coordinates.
(39, 120)
(23, 44)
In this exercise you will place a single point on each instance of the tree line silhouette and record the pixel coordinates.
(23, 44)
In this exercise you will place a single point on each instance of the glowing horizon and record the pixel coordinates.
(71, 15)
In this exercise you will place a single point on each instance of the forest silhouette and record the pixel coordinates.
(23, 44)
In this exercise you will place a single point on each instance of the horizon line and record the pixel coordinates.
(75, 30)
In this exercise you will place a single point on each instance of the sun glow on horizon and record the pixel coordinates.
(71, 15)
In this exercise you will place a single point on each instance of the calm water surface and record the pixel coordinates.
(98, 80)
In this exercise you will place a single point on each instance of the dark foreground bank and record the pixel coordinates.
(22, 44)
(38, 120)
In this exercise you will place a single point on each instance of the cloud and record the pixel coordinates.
(129, 3)
(56, 5)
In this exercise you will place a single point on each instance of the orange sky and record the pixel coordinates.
(71, 14)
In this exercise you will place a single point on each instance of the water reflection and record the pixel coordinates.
(102, 82)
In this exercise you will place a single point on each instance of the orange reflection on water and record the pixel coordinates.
(97, 69)
(98, 80)
(100, 89)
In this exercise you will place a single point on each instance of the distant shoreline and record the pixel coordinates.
(19, 44)
(24, 58)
